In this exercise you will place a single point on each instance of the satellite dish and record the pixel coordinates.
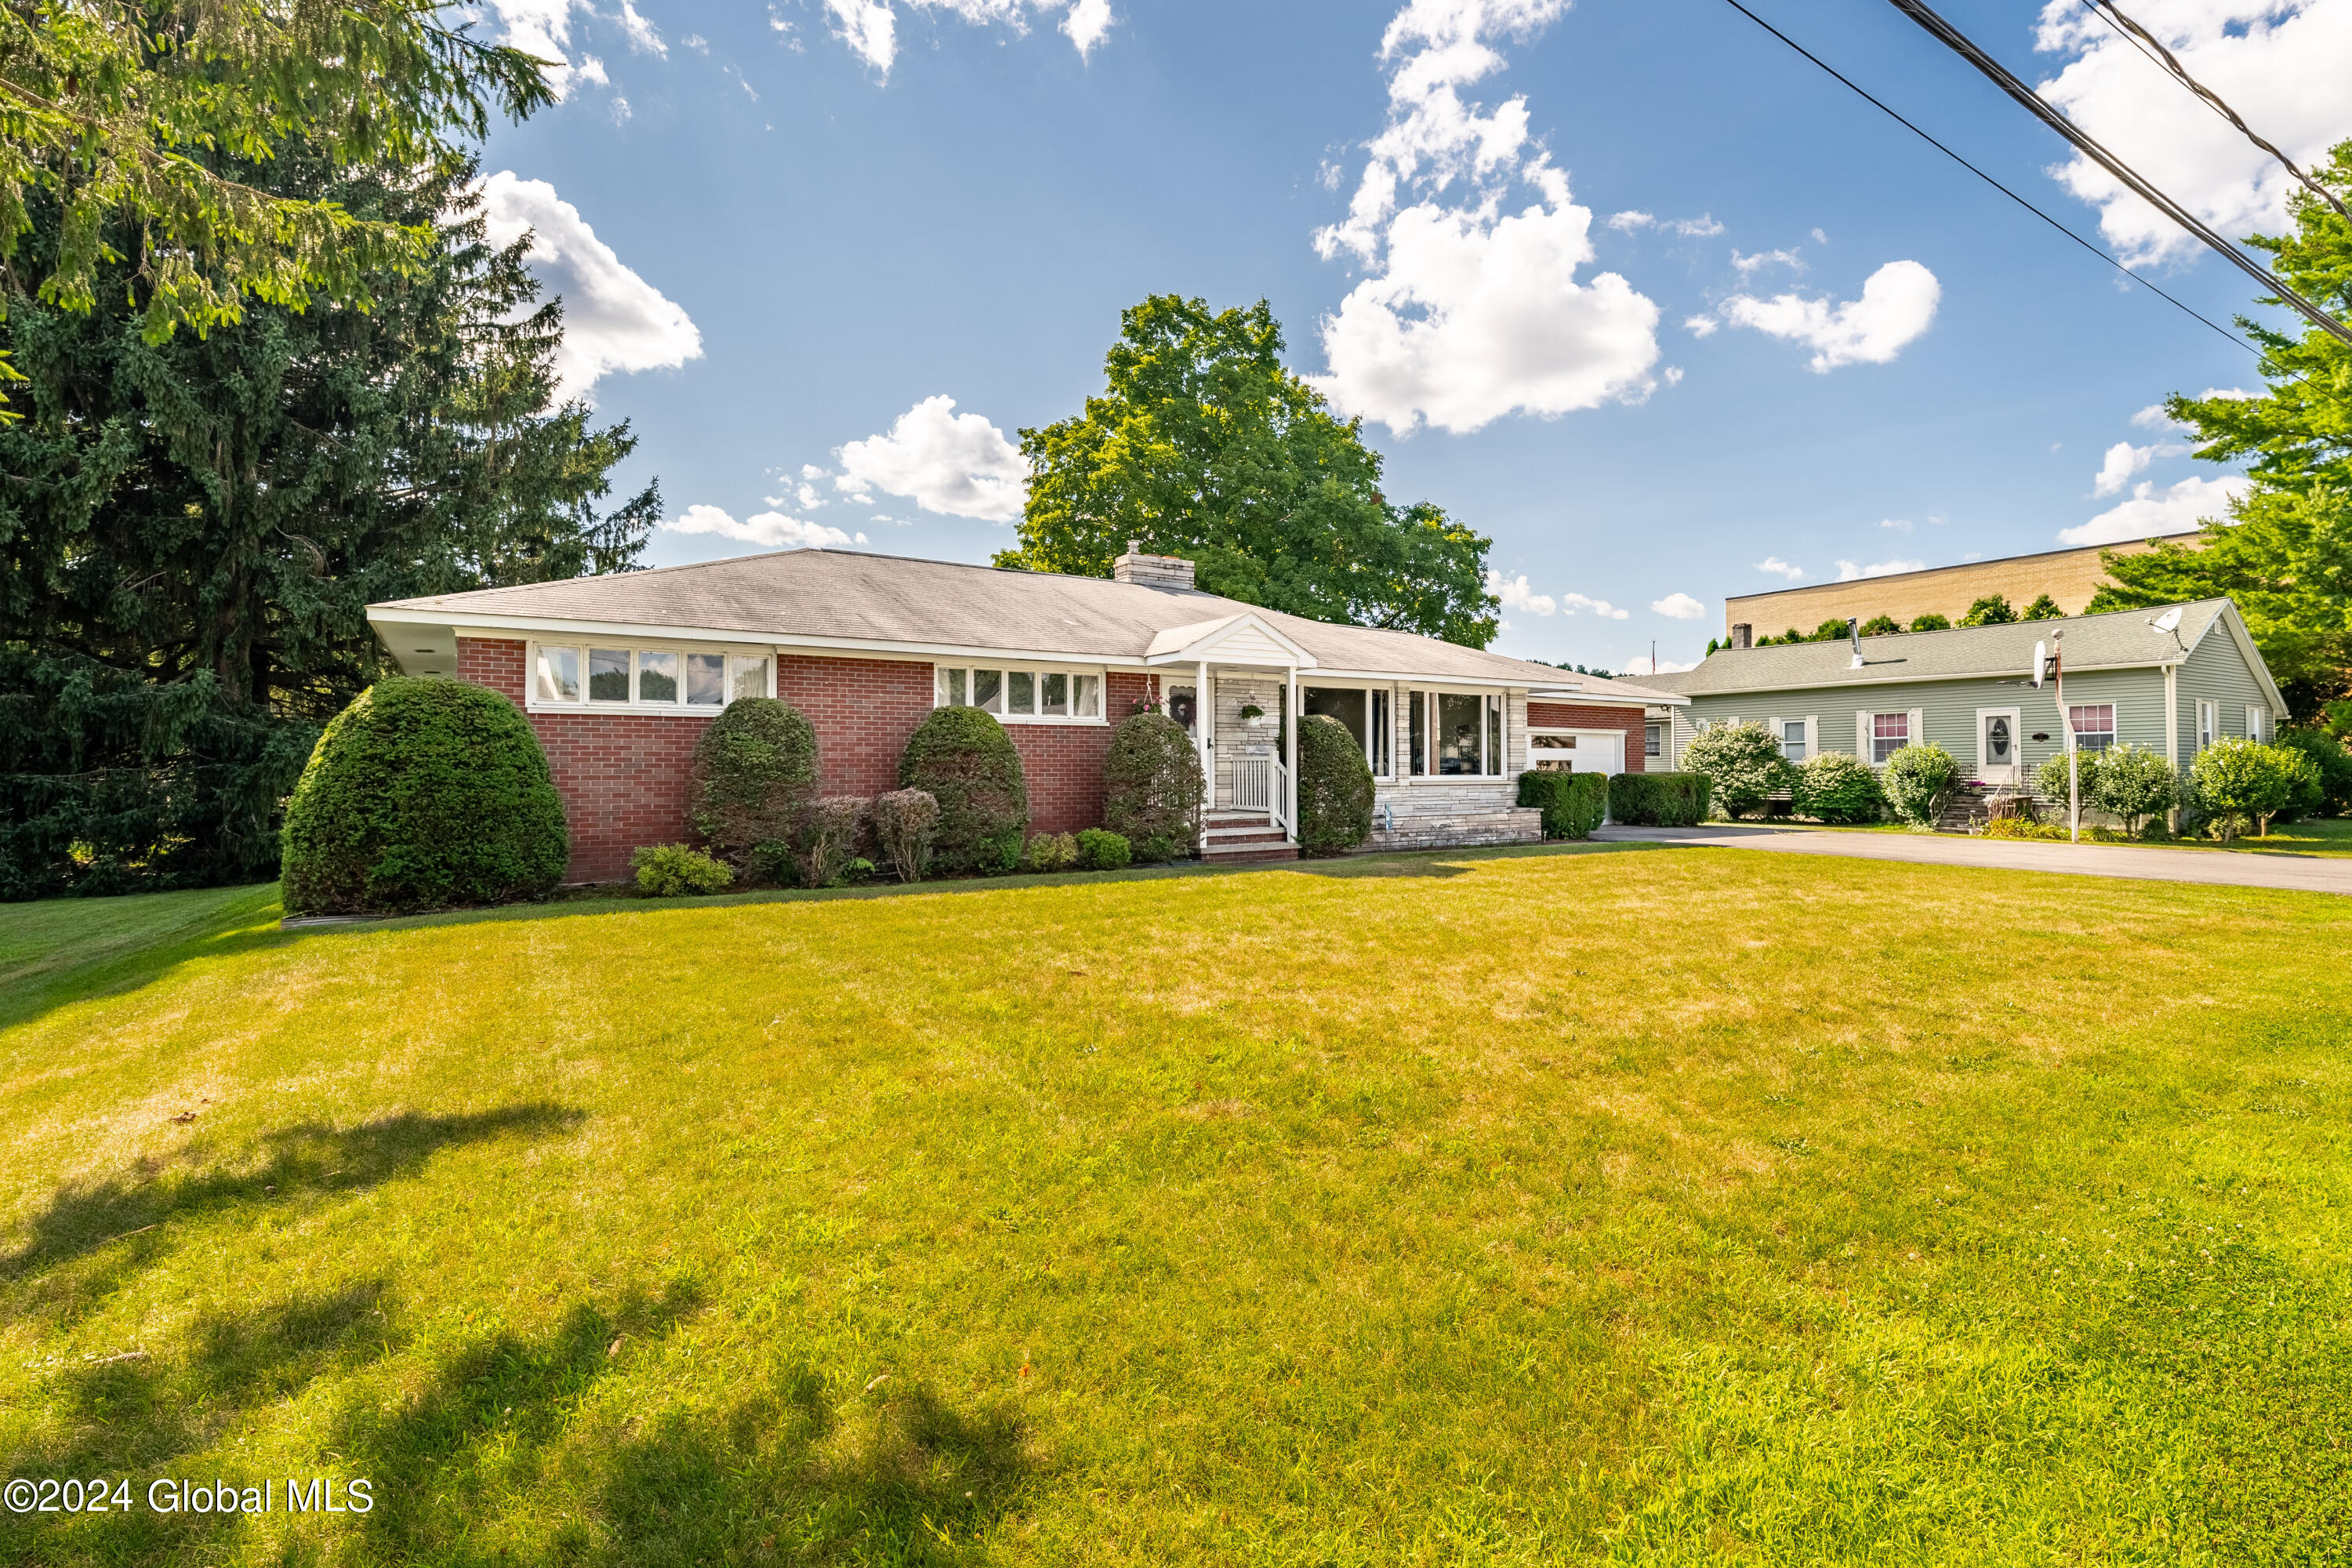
(2168, 622)
(2041, 661)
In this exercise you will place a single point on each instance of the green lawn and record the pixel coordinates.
(1639, 1205)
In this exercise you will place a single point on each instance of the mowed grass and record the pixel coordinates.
(1655, 1206)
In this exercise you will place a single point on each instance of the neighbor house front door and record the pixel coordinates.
(1997, 746)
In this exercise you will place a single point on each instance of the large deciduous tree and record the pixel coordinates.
(2285, 554)
(1204, 444)
(190, 528)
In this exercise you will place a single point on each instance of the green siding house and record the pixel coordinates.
(2130, 678)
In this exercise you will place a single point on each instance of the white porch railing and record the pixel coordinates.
(1253, 784)
(1263, 784)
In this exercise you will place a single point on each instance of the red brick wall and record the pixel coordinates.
(1566, 716)
(623, 776)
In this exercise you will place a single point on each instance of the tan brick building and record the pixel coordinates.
(2069, 576)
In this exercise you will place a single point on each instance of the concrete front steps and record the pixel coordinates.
(1236, 837)
(1457, 829)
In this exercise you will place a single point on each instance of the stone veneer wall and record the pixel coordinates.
(624, 776)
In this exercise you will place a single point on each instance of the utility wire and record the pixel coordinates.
(1864, 94)
(2146, 42)
(1958, 43)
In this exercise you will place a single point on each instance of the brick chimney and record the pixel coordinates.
(1151, 571)
(1742, 634)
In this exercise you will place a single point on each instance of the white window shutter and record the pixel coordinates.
(1917, 735)
(1777, 735)
(1812, 736)
(1862, 736)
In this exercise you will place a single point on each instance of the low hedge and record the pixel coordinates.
(1573, 804)
(1659, 800)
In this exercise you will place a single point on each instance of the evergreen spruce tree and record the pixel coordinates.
(193, 527)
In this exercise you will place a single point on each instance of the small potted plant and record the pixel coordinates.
(1253, 715)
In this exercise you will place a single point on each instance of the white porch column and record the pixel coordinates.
(1290, 756)
(1204, 720)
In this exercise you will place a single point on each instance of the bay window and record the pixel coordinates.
(1035, 695)
(676, 680)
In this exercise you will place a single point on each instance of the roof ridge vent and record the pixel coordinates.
(1151, 571)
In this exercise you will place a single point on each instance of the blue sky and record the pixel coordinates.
(1628, 287)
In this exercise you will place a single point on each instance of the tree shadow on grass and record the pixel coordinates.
(298, 1166)
(521, 1452)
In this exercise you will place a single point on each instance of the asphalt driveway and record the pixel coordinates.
(2299, 873)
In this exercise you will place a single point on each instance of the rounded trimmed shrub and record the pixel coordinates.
(1335, 787)
(424, 794)
(2332, 766)
(1919, 781)
(964, 760)
(1838, 787)
(1743, 763)
(1051, 852)
(754, 772)
(1153, 789)
(1102, 850)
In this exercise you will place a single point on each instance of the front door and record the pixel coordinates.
(1997, 746)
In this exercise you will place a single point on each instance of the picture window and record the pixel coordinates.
(1019, 693)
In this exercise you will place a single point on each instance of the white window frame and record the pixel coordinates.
(1496, 700)
(636, 647)
(2209, 723)
(2113, 731)
(1903, 713)
(2258, 724)
(1372, 690)
(1036, 673)
(1653, 738)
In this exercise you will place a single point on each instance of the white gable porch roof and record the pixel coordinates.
(1245, 638)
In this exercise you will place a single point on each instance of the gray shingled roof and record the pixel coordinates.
(885, 600)
(2123, 639)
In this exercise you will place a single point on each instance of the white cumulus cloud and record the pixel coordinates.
(2152, 512)
(1516, 595)
(613, 319)
(1899, 524)
(1645, 664)
(1849, 572)
(768, 528)
(1748, 264)
(2124, 461)
(1471, 307)
(1571, 603)
(2281, 63)
(955, 464)
(1897, 303)
(1779, 568)
(870, 27)
(1699, 227)
(1680, 607)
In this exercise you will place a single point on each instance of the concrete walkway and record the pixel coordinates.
(2271, 868)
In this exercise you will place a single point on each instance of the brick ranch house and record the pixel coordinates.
(620, 675)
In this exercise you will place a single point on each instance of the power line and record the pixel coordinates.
(2148, 45)
(1999, 74)
(1864, 94)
